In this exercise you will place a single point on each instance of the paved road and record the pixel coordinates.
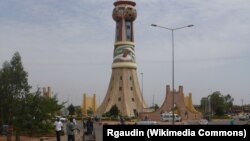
(99, 129)
(219, 122)
(78, 135)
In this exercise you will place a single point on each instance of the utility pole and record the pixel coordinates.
(242, 100)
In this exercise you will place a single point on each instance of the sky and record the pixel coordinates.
(68, 45)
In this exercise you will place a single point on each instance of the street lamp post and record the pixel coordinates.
(210, 114)
(242, 105)
(172, 31)
(142, 90)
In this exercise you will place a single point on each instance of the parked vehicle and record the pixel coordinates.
(243, 117)
(247, 123)
(169, 117)
(203, 122)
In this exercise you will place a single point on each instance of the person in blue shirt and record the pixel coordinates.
(232, 121)
(90, 126)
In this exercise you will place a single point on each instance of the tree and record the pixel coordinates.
(39, 113)
(154, 107)
(78, 111)
(204, 104)
(71, 109)
(13, 89)
(217, 102)
(229, 103)
(25, 111)
(90, 111)
(220, 110)
(113, 112)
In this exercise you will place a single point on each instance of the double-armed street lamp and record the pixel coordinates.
(172, 31)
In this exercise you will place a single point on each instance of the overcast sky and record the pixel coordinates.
(68, 45)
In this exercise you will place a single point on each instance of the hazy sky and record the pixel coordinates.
(68, 45)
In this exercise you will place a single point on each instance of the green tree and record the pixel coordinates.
(39, 113)
(155, 107)
(78, 111)
(204, 104)
(220, 110)
(90, 111)
(25, 111)
(71, 109)
(13, 89)
(220, 104)
(217, 102)
(114, 112)
(229, 103)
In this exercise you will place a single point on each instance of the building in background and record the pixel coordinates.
(47, 92)
(89, 103)
(183, 106)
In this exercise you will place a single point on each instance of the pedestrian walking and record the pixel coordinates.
(89, 135)
(70, 130)
(232, 121)
(74, 121)
(90, 126)
(122, 121)
(58, 127)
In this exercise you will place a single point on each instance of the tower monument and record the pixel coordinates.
(124, 89)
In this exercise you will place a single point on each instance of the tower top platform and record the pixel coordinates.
(130, 2)
(126, 0)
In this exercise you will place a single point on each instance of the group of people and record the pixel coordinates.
(71, 127)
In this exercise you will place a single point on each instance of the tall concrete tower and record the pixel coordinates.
(124, 89)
